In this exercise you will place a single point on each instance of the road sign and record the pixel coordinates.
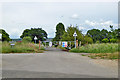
(64, 44)
(75, 34)
(35, 38)
(50, 44)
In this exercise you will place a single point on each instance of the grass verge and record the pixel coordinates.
(20, 48)
(102, 51)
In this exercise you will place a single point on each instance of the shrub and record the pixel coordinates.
(27, 39)
(60, 47)
(20, 48)
(97, 48)
(75, 50)
(88, 39)
(42, 48)
(113, 40)
(97, 42)
(105, 40)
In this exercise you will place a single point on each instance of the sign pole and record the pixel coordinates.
(75, 34)
(39, 44)
(75, 41)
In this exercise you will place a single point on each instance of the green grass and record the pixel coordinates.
(20, 48)
(41, 48)
(102, 51)
(97, 48)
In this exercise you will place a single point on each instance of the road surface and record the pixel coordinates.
(53, 63)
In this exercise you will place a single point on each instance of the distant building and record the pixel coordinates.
(16, 40)
(49, 39)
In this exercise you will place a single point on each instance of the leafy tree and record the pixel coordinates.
(68, 36)
(95, 34)
(38, 32)
(27, 39)
(5, 36)
(111, 27)
(113, 40)
(65, 37)
(114, 33)
(104, 34)
(71, 30)
(87, 39)
(105, 40)
(60, 29)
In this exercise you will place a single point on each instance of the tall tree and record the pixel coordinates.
(5, 36)
(38, 32)
(68, 36)
(60, 29)
(95, 34)
(104, 34)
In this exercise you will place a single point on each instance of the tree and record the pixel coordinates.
(113, 40)
(60, 29)
(104, 34)
(105, 40)
(27, 39)
(38, 32)
(65, 37)
(95, 34)
(87, 39)
(114, 33)
(68, 36)
(5, 36)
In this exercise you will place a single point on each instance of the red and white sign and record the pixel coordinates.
(64, 44)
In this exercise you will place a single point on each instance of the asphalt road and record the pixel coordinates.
(53, 63)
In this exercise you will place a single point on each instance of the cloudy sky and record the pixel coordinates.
(18, 16)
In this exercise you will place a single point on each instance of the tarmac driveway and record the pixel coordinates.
(53, 63)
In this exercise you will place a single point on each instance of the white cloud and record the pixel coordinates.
(91, 23)
(81, 28)
(101, 24)
(75, 16)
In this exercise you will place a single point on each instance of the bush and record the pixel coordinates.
(88, 39)
(75, 50)
(97, 48)
(60, 47)
(27, 39)
(20, 48)
(113, 40)
(42, 48)
(105, 40)
(97, 42)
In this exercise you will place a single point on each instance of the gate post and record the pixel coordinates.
(80, 44)
(77, 43)
(39, 45)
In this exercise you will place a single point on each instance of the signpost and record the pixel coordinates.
(12, 45)
(35, 38)
(50, 44)
(75, 34)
